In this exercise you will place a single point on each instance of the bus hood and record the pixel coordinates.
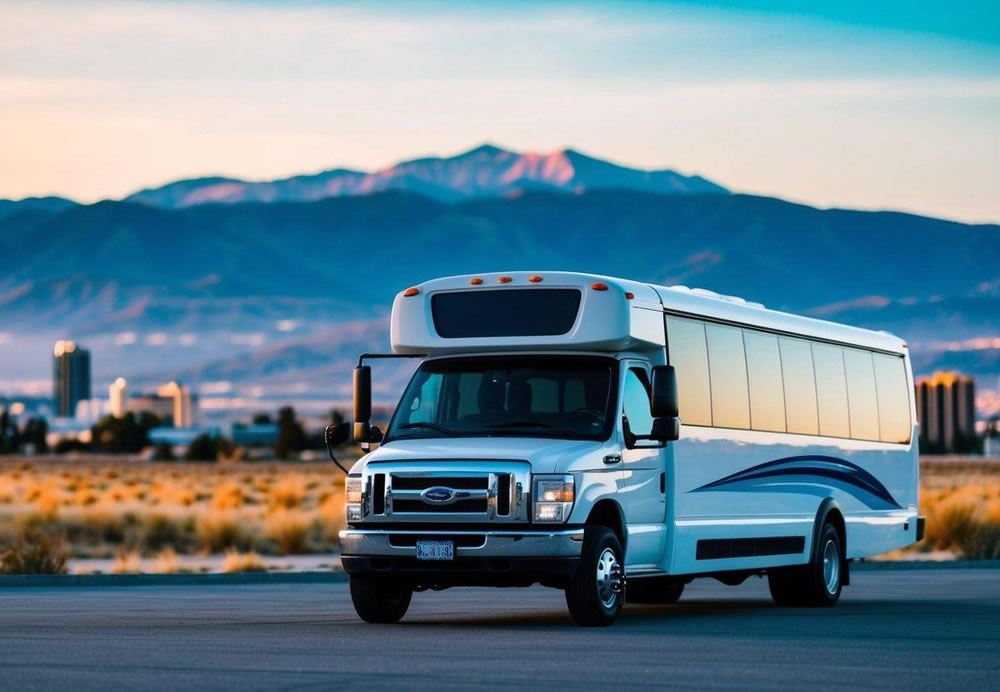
(545, 455)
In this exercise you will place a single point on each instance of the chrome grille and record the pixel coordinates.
(477, 491)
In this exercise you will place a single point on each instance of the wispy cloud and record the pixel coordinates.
(101, 98)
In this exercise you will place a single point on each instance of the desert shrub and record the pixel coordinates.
(166, 562)
(287, 493)
(160, 531)
(289, 530)
(236, 561)
(228, 495)
(983, 543)
(34, 552)
(218, 531)
(950, 524)
(127, 562)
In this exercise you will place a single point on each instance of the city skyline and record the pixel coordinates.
(839, 106)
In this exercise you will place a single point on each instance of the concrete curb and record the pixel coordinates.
(237, 578)
(925, 564)
(87, 580)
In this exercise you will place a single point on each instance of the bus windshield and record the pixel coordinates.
(567, 397)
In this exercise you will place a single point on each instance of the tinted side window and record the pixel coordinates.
(689, 356)
(505, 312)
(767, 399)
(800, 386)
(728, 368)
(831, 390)
(861, 394)
(893, 398)
(636, 405)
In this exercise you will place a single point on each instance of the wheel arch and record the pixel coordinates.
(829, 511)
(609, 513)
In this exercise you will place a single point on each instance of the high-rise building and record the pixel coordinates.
(70, 377)
(118, 397)
(183, 407)
(946, 411)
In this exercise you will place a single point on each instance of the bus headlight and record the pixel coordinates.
(553, 498)
(352, 498)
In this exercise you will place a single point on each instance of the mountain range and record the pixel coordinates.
(273, 287)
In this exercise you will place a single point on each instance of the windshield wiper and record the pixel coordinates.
(537, 424)
(430, 426)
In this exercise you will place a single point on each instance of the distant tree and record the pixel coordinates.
(10, 436)
(291, 436)
(261, 418)
(163, 451)
(71, 445)
(336, 417)
(34, 433)
(202, 448)
(128, 434)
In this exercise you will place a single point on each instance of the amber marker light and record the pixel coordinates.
(629, 295)
(476, 281)
(411, 291)
(535, 279)
(504, 280)
(598, 286)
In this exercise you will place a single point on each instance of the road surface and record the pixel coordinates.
(905, 629)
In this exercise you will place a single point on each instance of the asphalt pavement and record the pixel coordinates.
(893, 629)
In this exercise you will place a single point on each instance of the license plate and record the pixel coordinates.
(435, 550)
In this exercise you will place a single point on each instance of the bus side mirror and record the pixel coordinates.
(664, 402)
(362, 402)
(666, 429)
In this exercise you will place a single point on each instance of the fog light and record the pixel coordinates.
(553, 498)
(353, 513)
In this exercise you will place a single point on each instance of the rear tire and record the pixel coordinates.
(817, 584)
(653, 590)
(594, 594)
(380, 600)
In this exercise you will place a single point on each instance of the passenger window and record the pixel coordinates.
(636, 405)
(545, 395)
(799, 386)
(767, 399)
(861, 394)
(893, 398)
(728, 368)
(831, 390)
(689, 356)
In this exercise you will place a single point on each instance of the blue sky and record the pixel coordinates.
(869, 105)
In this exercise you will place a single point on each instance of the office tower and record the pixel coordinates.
(70, 377)
(946, 411)
(118, 397)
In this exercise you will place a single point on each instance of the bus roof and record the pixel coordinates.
(613, 318)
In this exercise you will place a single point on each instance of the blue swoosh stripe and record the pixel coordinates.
(844, 474)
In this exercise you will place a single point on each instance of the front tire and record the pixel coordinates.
(380, 600)
(594, 595)
(817, 584)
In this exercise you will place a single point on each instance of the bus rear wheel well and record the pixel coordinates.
(608, 513)
(829, 513)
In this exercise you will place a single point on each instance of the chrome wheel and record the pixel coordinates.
(831, 567)
(609, 578)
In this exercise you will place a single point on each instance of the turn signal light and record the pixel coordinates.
(504, 279)
(476, 281)
(598, 286)
(535, 279)
(411, 291)
(629, 295)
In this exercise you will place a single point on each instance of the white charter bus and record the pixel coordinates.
(617, 440)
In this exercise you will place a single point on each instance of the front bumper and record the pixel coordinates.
(482, 558)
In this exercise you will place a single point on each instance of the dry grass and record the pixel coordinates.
(127, 562)
(963, 518)
(236, 561)
(33, 552)
(104, 507)
(165, 562)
